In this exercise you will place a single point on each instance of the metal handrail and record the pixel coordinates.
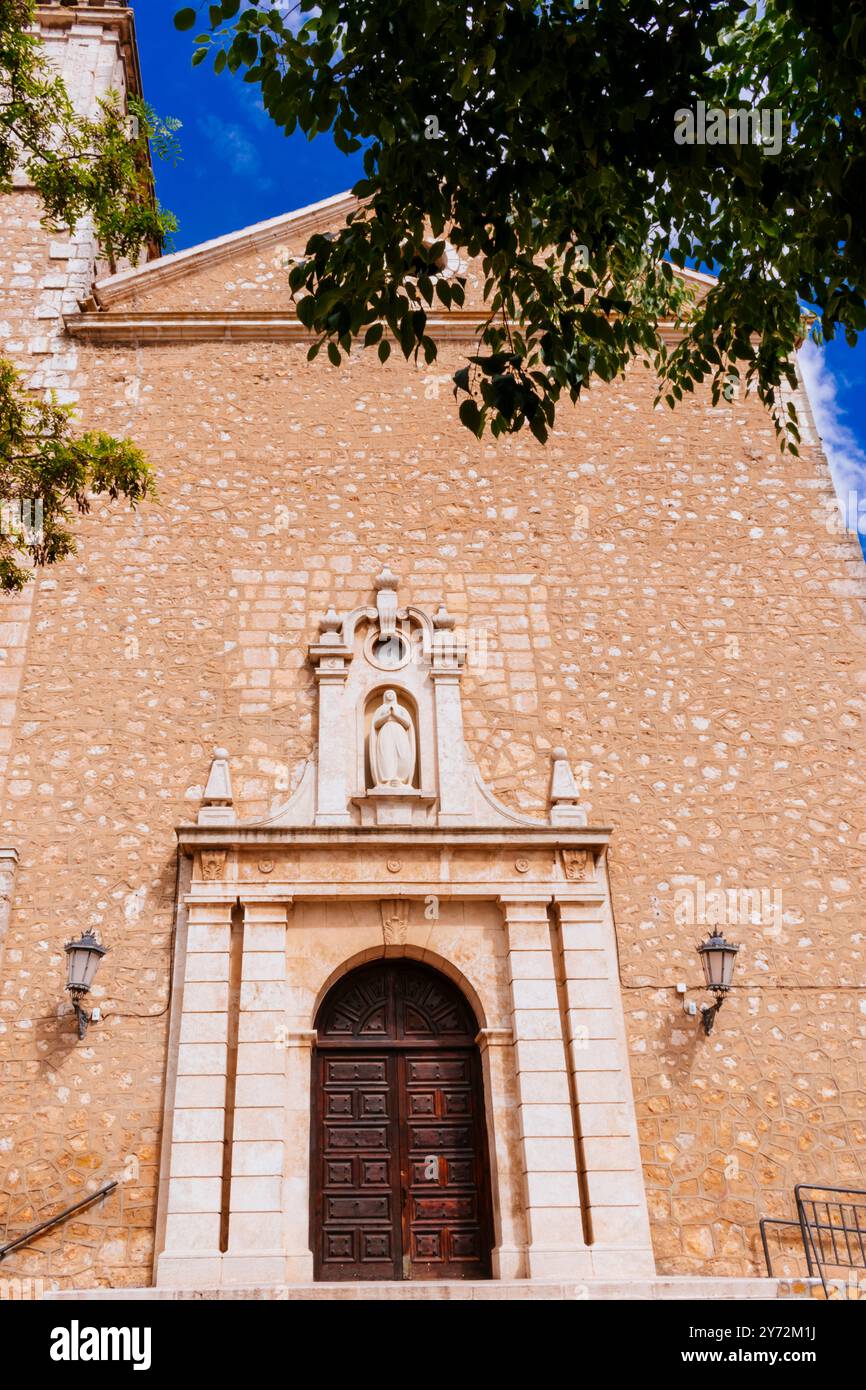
(843, 1257)
(766, 1221)
(54, 1220)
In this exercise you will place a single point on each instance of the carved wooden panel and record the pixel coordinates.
(357, 1211)
(396, 1000)
(441, 1112)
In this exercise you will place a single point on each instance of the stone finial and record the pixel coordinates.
(330, 626)
(387, 579)
(443, 621)
(565, 808)
(217, 806)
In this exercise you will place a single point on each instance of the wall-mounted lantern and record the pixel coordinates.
(82, 962)
(717, 958)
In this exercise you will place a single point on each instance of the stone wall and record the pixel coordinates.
(45, 272)
(661, 593)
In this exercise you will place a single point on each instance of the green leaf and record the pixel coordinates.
(471, 417)
(306, 310)
(538, 427)
(185, 18)
(384, 350)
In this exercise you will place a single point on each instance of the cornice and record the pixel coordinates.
(207, 326)
(110, 15)
(192, 837)
(303, 222)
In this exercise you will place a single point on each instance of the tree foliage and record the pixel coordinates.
(540, 136)
(48, 473)
(93, 166)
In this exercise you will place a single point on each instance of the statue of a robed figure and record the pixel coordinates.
(392, 744)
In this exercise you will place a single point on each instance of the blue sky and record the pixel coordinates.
(237, 168)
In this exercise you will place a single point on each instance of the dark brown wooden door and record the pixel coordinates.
(400, 1173)
(359, 1203)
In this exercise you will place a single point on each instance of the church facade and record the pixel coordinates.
(401, 773)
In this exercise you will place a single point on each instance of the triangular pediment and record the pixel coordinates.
(244, 270)
(236, 287)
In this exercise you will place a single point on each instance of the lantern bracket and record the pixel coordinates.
(708, 1014)
(717, 957)
(83, 956)
(81, 1013)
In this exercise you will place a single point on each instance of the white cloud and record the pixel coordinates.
(846, 458)
(236, 148)
(292, 14)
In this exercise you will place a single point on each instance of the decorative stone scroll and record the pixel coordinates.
(395, 921)
(213, 864)
(579, 865)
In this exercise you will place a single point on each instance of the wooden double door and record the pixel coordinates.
(400, 1174)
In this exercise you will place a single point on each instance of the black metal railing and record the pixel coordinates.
(831, 1224)
(834, 1230)
(35, 1231)
(793, 1226)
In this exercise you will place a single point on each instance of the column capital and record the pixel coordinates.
(525, 905)
(494, 1037)
(586, 908)
(209, 910)
(275, 913)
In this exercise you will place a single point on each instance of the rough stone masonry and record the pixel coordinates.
(661, 593)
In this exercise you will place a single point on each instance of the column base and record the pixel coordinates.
(508, 1262)
(213, 1270)
(623, 1262)
(256, 1268)
(188, 1269)
(558, 1264)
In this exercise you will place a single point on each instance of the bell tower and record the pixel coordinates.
(43, 275)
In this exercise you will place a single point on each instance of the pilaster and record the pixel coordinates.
(556, 1247)
(255, 1248)
(612, 1177)
(191, 1254)
(495, 1046)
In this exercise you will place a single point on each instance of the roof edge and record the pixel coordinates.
(167, 268)
(306, 220)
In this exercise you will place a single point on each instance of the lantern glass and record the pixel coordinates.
(82, 961)
(717, 958)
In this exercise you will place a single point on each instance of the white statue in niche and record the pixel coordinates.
(392, 744)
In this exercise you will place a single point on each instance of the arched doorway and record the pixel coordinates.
(400, 1174)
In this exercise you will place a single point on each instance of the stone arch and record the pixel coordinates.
(417, 953)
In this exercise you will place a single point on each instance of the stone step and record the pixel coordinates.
(679, 1287)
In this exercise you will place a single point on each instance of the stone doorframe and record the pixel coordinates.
(272, 916)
